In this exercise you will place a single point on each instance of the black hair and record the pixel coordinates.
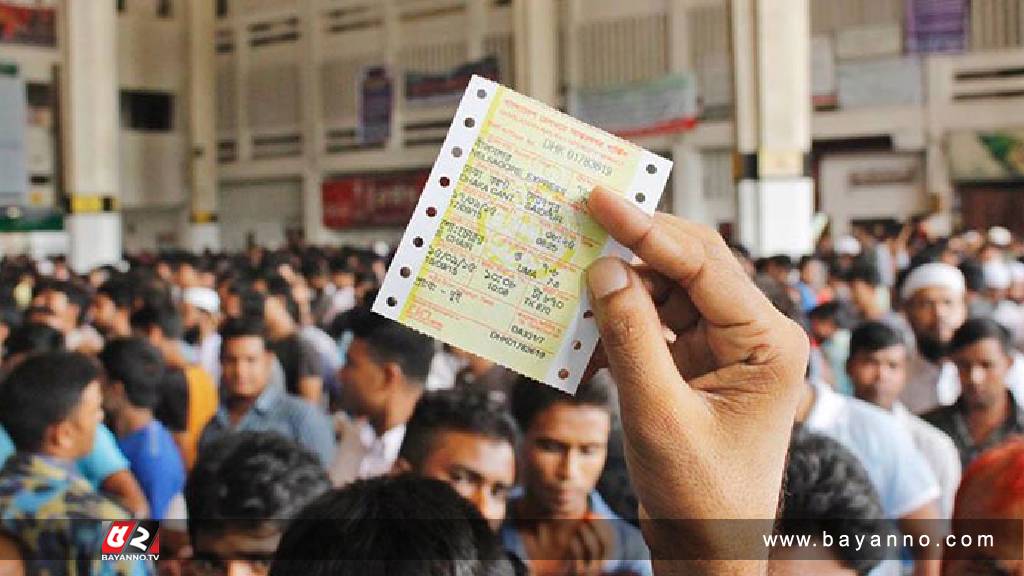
(864, 271)
(974, 275)
(393, 526)
(778, 295)
(247, 479)
(40, 392)
(138, 366)
(280, 288)
(530, 398)
(390, 341)
(165, 317)
(121, 292)
(34, 338)
(474, 412)
(977, 329)
(243, 327)
(827, 490)
(782, 261)
(827, 311)
(873, 336)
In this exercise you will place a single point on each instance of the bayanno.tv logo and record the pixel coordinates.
(131, 540)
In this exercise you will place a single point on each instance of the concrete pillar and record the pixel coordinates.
(536, 49)
(312, 121)
(90, 132)
(771, 51)
(688, 184)
(203, 230)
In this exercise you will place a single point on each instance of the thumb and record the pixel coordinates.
(633, 338)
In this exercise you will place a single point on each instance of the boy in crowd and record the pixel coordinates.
(468, 440)
(559, 519)
(243, 490)
(252, 399)
(134, 373)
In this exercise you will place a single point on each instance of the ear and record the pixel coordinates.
(401, 466)
(393, 375)
(57, 437)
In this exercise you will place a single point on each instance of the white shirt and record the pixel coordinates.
(361, 452)
(899, 472)
(929, 385)
(940, 452)
(209, 355)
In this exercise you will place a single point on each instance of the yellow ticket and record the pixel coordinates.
(493, 258)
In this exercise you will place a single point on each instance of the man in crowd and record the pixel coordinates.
(112, 306)
(560, 518)
(244, 489)
(188, 397)
(878, 370)
(298, 357)
(935, 306)
(383, 378)
(985, 414)
(134, 371)
(51, 405)
(464, 438)
(104, 467)
(906, 485)
(200, 315)
(252, 400)
(399, 526)
(67, 301)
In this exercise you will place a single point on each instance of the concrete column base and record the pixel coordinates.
(95, 240)
(775, 216)
(203, 236)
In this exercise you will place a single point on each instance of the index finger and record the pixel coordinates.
(692, 255)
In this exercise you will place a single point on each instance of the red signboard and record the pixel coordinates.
(372, 200)
(26, 25)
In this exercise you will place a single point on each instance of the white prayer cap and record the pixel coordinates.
(997, 275)
(1017, 271)
(203, 298)
(933, 275)
(1000, 236)
(972, 237)
(847, 246)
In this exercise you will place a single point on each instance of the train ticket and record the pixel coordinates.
(493, 258)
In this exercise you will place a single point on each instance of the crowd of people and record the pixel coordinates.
(255, 406)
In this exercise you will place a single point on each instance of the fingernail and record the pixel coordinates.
(621, 203)
(607, 276)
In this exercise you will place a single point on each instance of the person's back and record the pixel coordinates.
(202, 405)
(135, 370)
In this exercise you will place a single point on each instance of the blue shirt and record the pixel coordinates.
(104, 459)
(629, 554)
(156, 464)
(277, 411)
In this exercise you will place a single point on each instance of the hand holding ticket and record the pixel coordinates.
(493, 258)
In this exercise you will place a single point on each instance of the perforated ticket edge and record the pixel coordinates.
(566, 368)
